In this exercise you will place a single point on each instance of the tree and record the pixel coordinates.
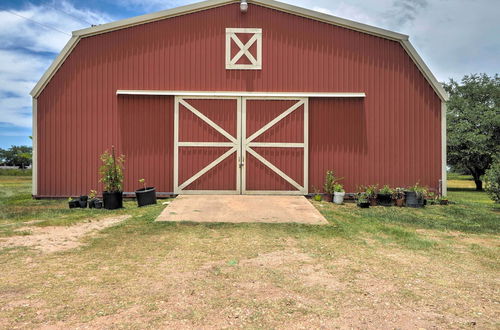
(17, 156)
(473, 124)
(2, 156)
(492, 178)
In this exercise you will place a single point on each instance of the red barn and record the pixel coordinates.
(210, 98)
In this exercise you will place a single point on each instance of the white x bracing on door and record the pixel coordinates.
(233, 149)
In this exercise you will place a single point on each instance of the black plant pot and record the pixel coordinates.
(413, 200)
(364, 205)
(73, 204)
(146, 196)
(384, 199)
(98, 204)
(113, 200)
(84, 198)
(92, 203)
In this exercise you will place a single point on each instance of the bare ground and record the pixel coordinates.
(57, 238)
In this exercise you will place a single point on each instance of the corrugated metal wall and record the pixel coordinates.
(392, 136)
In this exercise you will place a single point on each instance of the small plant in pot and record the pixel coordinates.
(83, 201)
(399, 197)
(146, 195)
(443, 200)
(415, 196)
(338, 193)
(431, 198)
(362, 200)
(371, 194)
(92, 198)
(112, 177)
(317, 196)
(384, 196)
(73, 203)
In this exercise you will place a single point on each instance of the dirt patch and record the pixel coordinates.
(55, 239)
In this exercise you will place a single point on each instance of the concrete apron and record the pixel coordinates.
(242, 209)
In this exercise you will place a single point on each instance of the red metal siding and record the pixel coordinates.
(392, 136)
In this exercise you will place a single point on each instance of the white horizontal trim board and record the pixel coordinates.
(274, 145)
(237, 94)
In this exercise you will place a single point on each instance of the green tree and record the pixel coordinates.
(2, 156)
(17, 156)
(473, 124)
(492, 178)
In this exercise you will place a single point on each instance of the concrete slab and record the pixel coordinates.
(242, 208)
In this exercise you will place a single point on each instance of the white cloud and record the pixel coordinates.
(23, 51)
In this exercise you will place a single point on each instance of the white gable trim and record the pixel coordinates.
(122, 24)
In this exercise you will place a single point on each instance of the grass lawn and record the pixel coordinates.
(369, 268)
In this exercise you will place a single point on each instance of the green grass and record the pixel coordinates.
(458, 176)
(14, 172)
(141, 273)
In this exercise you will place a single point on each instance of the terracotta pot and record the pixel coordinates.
(327, 197)
(400, 202)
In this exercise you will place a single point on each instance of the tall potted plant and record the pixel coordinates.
(112, 177)
(146, 195)
(328, 186)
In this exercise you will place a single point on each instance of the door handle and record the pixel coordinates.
(242, 161)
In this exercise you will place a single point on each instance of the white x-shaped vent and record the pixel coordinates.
(255, 59)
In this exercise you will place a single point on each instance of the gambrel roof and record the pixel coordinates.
(329, 19)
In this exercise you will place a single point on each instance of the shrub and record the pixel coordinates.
(492, 178)
(112, 171)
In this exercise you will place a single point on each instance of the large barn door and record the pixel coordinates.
(275, 146)
(235, 145)
(207, 145)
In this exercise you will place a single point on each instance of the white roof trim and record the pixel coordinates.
(237, 94)
(143, 19)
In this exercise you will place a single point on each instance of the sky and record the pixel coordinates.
(454, 37)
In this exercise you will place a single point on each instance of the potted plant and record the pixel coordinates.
(384, 196)
(338, 193)
(146, 195)
(317, 196)
(98, 204)
(362, 200)
(83, 201)
(398, 196)
(328, 186)
(73, 203)
(431, 198)
(371, 194)
(92, 199)
(415, 196)
(112, 177)
(443, 200)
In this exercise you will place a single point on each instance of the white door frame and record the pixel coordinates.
(247, 144)
(241, 145)
(233, 143)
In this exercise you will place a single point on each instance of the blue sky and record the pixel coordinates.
(454, 37)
